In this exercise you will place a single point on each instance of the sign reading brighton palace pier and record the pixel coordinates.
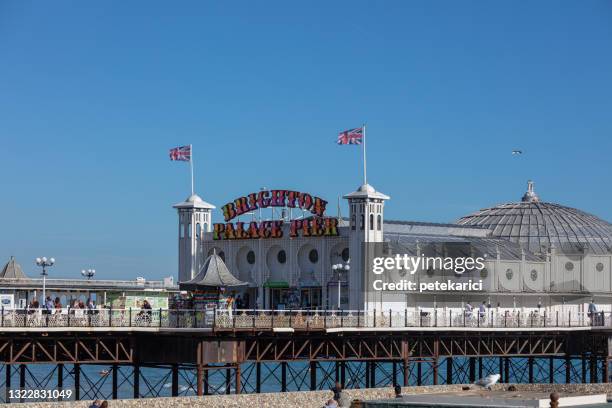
(316, 226)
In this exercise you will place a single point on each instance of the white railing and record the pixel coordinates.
(295, 319)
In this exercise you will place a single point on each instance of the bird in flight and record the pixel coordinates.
(488, 381)
(517, 152)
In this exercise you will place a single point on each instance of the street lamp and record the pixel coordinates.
(339, 269)
(88, 273)
(44, 263)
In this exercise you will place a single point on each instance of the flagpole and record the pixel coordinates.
(365, 174)
(191, 166)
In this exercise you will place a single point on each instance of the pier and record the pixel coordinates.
(306, 350)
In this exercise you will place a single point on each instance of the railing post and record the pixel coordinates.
(195, 317)
(214, 317)
(160, 317)
(110, 316)
(254, 315)
(3, 316)
(506, 318)
(390, 318)
(570, 319)
(518, 319)
(341, 318)
(289, 318)
(130, 316)
(272, 320)
(405, 317)
(436, 317)
(557, 322)
(374, 317)
(545, 318)
(358, 319)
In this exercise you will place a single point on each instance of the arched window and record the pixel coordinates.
(182, 230)
(371, 222)
(378, 222)
(189, 230)
(362, 226)
(353, 222)
(198, 230)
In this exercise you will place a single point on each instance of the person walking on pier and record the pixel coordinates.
(48, 305)
(482, 311)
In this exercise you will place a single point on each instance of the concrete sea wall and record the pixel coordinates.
(305, 399)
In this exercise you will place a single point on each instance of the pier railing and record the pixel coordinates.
(223, 319)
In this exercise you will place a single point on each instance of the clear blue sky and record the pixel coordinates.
(93, 94)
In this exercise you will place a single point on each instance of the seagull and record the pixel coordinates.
(517, 152)
(488, 381)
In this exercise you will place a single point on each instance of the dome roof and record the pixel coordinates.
(538, 225)
(194, 201)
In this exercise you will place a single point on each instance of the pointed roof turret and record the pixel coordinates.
(12, 270)
(194, 201)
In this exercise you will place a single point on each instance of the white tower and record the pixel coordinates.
(366, 207)
(194, 215)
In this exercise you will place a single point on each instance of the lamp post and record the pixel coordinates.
(88, 273)
(44, 263)
(339, 269)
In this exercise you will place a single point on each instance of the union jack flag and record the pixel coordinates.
(352, 136)
(182, 153)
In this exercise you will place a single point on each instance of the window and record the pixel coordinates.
(189, 230)
(198, 230)
(362, 226)
(345, 254)
(509, 273)
(484, 273)
(281, 257)
(182, 230)
(313, 256)
(371, 222)
(599, 267)
(251, 257)
(569, 266)
(379, 222)
(353, 222)
(534, 275)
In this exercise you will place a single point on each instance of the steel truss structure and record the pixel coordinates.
(139, 365)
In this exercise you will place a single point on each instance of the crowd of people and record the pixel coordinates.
(55, 306)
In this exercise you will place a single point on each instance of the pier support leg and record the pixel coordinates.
(77, 382)
(313, 375)
(605, 375)
(373, 374)
(175, 380)
(238, 379)
(507, 369)
(406, 372)
(472, 369)
(367, 374)
(115, 374)
(449, 370)
(419, 373)
(258, 377)
(206, 383)
(593, 364)
(479, 367)
(435, 371)
(200, 379)
(60, 379)
(530, 369)
(337, 367)
(7, 382)
(228, 381)
(284, 376)
(501, 369)
(136, 381)
(551, 370)
(22, 378)
(584, 371)
(343, 373)
(394, 372)
(568, 369)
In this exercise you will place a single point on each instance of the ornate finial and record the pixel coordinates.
(530, 196)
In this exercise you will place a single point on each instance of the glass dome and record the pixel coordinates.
(537, 226)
